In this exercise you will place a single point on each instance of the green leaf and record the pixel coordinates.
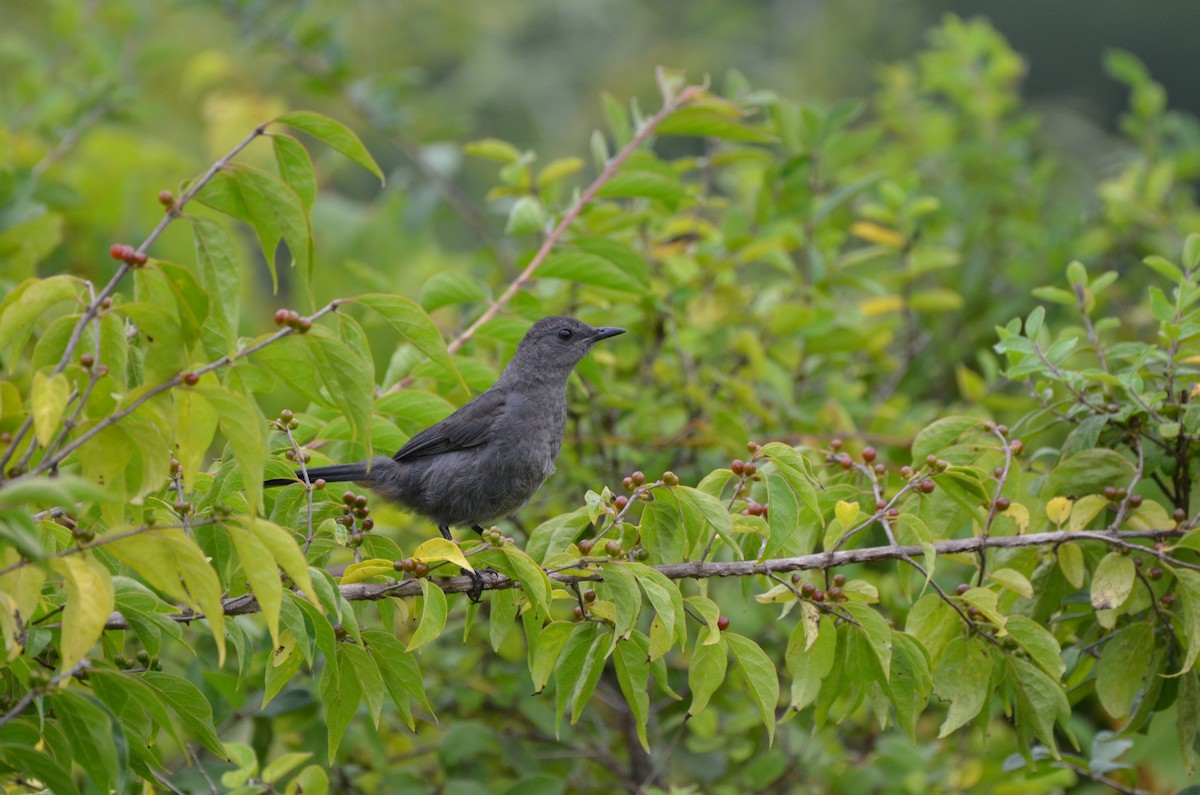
(589, 673)
(784, 520)
(1187, 722)
(666, 599)
(295, 168)
(410, 321)
(622, 587)
(709, 122)
(533, 579)
(493, 149)
(335, 135)
(569, 668)
(433, 616)
(258, 565)
(89, 591)
(633, 676)
(400, 672)
(341, 693)
(961, 677)
(190, 705)
(1040, 701)
(606, 263)
(1124, 664)
(550, 642)
(761, 678)
(1038, 643)
(876, 631)
(1188, 584)
(706, 672)
(527, 216)
(40, 766)
(369, 677)
(1088, 472)
(811, 650)
(49, 396)
(939, 435)
(502, 616)
(242, 424)
(910, 683)
(449, 289)
(1113, 581)
(27, 303)
(90, 729)
(283, 765)
(286, 553)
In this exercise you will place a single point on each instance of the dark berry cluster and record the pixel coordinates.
(355, 511)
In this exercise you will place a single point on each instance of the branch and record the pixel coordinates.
(670, 105)
(494, 581)
(93, 307)
(112, 419)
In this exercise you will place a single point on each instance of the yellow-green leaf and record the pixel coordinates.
(1112, 582)
(1059, 510)
(436, 550)
(89, 604)
(846, 513)
(49, 396)
(433, 616)
(366, 569)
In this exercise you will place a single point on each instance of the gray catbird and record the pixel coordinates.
(487, 459)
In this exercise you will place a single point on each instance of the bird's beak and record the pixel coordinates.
(605, 333)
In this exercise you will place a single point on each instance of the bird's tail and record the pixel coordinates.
(336, 473)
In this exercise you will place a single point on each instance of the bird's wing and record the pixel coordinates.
(472, 425)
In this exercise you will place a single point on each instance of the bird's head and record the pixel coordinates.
(557, 344)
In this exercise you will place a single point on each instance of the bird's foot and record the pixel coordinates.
(476, 585)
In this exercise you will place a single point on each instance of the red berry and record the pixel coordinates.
(191, 379)
(880, 469)
(86, 361)
(737, 466)
(749, 469)
(835, 594)
(348, 497)
(117, 251)
(723, 623)
(585, 546)
(1003, 503)
(962, 589)
(844, 461)
(281, 317)
(869, 454)
(807, 590)
(835, 444)
(638, 478)
(1002, 430)
(577, 612)
(818, 595)
(1135, 500)
(1155, 573)
(1167, 600)
(589, 596)
(627, 483)
(670, 478)
(753, 447)
(1016, 446)
(166, 198)
(136, 258)
(927, 486)
(620, 502)
(839, 580)
(613, 548)
(880, 504)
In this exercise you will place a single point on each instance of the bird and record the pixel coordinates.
(487, 459)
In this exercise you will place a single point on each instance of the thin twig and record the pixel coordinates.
(93, 307)
(670, 105)
(28, 698)
(115, 417)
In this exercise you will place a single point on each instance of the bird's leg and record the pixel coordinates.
(477, 581)
(478, 528)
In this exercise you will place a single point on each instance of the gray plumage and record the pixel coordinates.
(487, 459)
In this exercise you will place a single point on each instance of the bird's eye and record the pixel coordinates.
(564, 333)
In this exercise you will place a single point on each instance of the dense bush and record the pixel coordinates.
(959, 553)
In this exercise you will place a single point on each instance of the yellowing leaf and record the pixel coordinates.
(1112, 582)
(1070, 560)
(846, 513)
(1020, 515)
(439, 549)
(780, 593)
(366, 569)
(1013, 580)
(433, 615)
(89, 604)
(49, 396)
(883, 305)
(1085, 510)
(1059, 510)
(874, 233)
(1150, 516)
